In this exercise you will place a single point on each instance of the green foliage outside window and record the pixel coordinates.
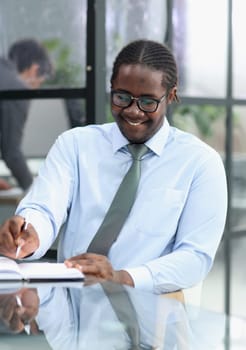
(67, 73)
(200, 117)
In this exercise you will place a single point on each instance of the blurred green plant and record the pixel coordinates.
(66, 72)
(202, 117)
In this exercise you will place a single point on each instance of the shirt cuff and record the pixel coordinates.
(142, 278)
(43, 229)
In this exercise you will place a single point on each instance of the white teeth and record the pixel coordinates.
(134, 124)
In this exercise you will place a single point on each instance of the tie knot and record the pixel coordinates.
(137, 150)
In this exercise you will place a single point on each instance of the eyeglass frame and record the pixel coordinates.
(158, 101)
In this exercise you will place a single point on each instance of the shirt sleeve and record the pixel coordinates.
(48, 200)
(198, 235)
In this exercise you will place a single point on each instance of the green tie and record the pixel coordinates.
(121, 204)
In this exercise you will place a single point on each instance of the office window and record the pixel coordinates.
(130, 20)
(239, 52)
(60, 24)
(205, 121)
(200, 43)
(239, 168)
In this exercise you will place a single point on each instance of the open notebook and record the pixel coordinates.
(10, 270)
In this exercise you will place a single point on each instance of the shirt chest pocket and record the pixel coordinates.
(158, 212)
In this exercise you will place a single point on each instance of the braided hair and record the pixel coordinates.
(152, 54)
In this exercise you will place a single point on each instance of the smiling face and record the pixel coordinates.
(138, 80)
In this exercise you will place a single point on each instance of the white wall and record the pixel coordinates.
(47, 119)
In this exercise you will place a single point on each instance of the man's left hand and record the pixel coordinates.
(97, 268)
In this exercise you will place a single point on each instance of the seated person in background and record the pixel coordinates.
(170, 237)
(27, 67)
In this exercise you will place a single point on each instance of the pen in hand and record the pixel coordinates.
(19, 246)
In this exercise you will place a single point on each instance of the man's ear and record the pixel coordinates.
(172, 95)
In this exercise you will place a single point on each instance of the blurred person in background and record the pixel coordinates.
(28, 65)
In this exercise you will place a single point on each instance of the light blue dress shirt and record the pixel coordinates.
(173, 231)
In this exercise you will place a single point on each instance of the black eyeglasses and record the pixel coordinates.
(144, 103)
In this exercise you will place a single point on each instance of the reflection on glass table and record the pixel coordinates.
(109, 316)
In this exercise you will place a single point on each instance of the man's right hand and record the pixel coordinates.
(13, 234)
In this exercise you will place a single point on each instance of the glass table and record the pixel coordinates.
(109, 316)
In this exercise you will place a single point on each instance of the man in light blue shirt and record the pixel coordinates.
(171, 235)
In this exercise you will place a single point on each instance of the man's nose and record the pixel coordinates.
(133, 107)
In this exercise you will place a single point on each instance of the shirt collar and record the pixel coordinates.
(156, 144)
